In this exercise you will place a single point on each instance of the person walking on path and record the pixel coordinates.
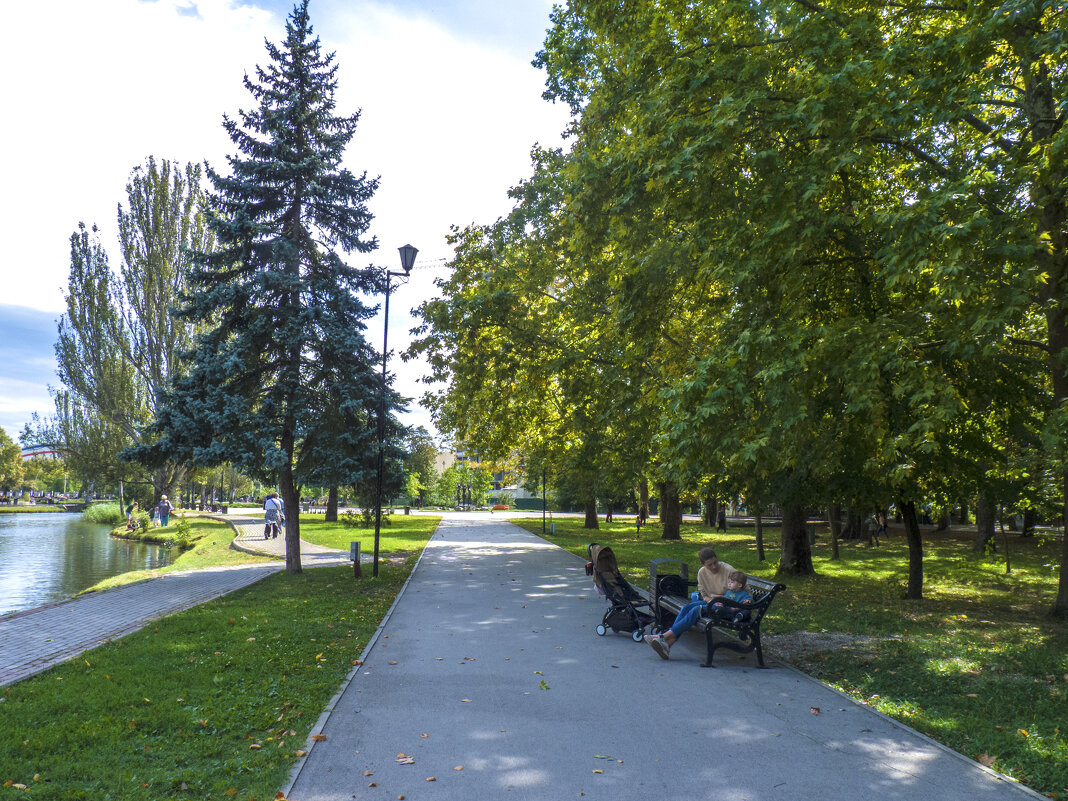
(273, 515)
(165, 509)
(712, 582)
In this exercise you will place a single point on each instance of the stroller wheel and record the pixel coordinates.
(637, 635)
(601, 629)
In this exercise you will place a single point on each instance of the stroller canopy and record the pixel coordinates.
(606, 573)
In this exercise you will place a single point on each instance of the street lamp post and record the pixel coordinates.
(407, 257)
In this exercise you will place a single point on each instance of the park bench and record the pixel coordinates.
(669, 592)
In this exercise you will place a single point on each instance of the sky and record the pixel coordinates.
(450, 110)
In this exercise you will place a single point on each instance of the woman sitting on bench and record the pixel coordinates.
(712, 581)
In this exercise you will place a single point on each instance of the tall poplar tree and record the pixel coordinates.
(285, 325)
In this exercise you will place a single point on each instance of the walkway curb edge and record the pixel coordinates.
(320, 724)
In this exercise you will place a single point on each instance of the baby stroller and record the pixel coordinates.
(628, 611)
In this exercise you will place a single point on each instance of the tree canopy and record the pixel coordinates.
(809, 251)
(281, 369)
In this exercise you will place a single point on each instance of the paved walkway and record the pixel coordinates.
(36, 639)
(488, 681)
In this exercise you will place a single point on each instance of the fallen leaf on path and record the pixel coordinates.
(815, 710)
(406, 760)
(598, 770)
(459, 767)
(431, 779)
(424, 736)
(465, 700)
(393, 662)
(368, 773)
(318, 737)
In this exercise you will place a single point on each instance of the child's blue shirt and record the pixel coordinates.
(741, 596)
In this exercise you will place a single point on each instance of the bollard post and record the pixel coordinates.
(354, 555)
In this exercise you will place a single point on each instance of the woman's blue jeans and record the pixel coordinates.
(686, 617)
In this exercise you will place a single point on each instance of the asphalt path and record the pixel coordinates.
(487, 680)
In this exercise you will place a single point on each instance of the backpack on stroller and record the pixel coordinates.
(628, 611)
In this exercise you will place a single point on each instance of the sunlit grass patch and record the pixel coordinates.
(213, 702)
(404, 534)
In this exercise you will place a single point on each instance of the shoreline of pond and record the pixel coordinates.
(46, 558)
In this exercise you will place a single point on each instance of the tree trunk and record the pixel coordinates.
(760, 535)
(943, 522)
(643, 499)
(670, 511)
(331, 506)
(912, 536)
(288, 490)
(1028, 523)
(1060, 608)
(834, 518)
(963, 518)
(984, 528)
(796, 558)
(710, 506)
(591, 515)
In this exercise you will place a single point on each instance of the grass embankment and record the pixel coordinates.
(978, 664)
(209, 546)
(214, 702)
(6, 509)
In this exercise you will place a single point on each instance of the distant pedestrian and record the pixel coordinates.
(272, 515)
(165, 509)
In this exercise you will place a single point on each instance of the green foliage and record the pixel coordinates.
(119, 347)
(11, 467)
(795, 252)
(106, 513)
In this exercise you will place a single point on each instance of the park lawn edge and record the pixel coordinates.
(214, 701)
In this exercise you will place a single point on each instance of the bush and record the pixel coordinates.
(109, 514)
(362, 519)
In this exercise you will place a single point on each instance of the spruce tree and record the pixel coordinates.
(284, 338)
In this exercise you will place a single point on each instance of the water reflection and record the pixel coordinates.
(47, 557)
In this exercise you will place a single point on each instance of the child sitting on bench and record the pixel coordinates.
(735, 592)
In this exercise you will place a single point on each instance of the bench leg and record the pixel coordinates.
(759, 649)
(711, 648)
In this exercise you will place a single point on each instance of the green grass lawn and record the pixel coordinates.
(978, 664)
(400, 536)
(213, 702)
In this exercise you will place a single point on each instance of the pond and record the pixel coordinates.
(49, 556)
